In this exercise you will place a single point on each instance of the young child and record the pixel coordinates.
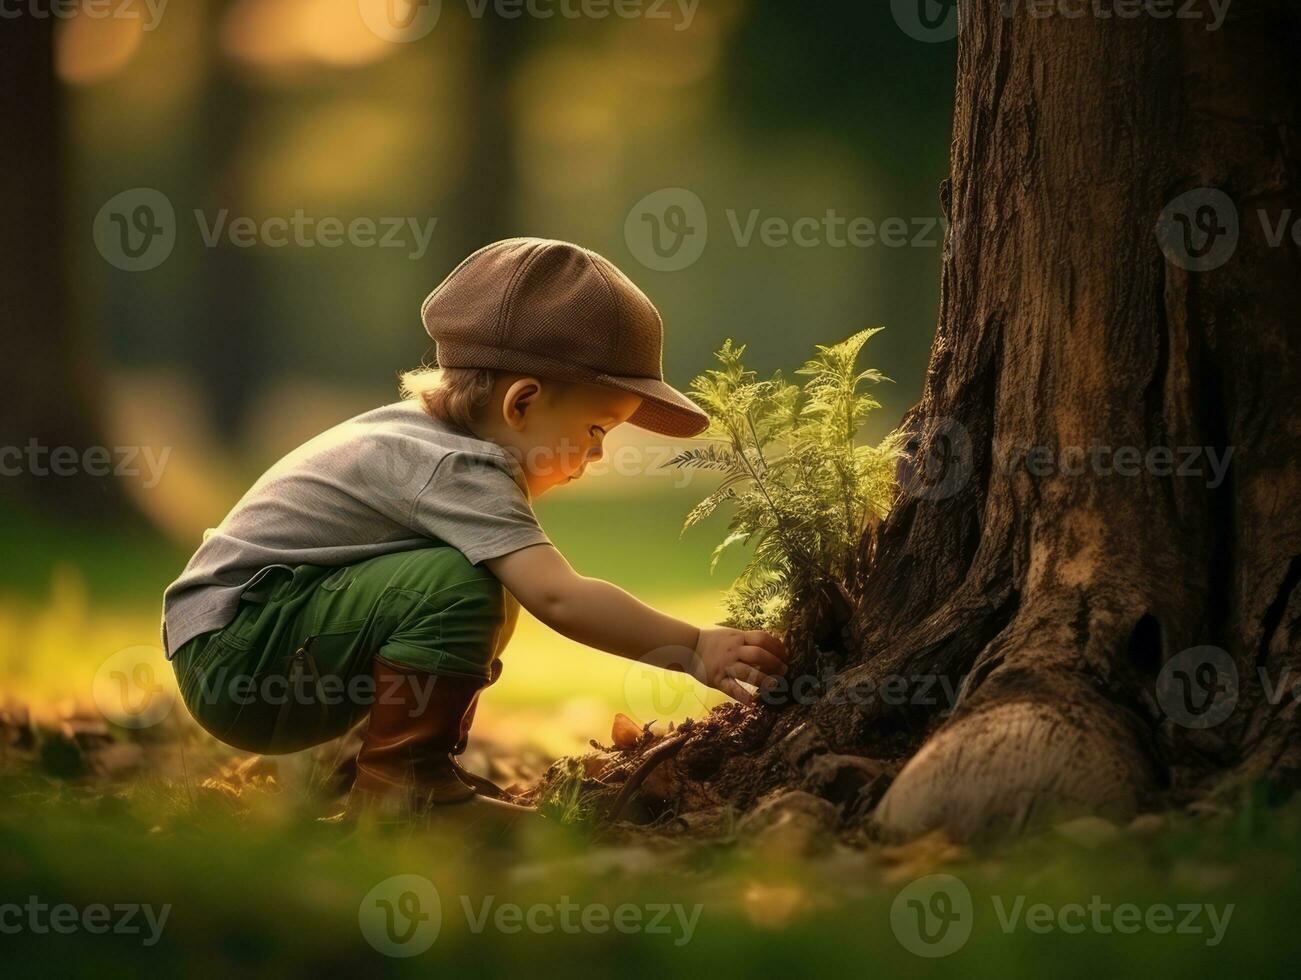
(378, 569)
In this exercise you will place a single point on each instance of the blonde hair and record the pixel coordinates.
(452, 394)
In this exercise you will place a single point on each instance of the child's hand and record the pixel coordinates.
(728, 656)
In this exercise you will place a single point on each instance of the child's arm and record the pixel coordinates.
(604, 616)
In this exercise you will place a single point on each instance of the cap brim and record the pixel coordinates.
(664, 409)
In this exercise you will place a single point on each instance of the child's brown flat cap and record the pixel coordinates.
(560, 311)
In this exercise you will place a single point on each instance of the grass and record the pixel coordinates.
(269, 891)
(257, 886)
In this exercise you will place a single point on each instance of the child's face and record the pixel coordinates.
(558, 429)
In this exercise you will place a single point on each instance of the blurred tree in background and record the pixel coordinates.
(52, 389)
(485, 127)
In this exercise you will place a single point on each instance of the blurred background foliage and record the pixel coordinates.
(227, 357)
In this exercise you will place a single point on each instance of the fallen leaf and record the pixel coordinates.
(626, 733)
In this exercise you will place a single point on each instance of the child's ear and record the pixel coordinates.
(520, 397)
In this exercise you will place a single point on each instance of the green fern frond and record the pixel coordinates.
(710, 457)
(736, 537)
(710, 504)
(801, 488)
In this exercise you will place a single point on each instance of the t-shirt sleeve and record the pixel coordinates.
(475, 505)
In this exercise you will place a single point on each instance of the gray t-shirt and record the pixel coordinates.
(389, 480)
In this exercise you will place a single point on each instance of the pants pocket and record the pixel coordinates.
(284, 703)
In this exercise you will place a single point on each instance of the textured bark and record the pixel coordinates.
(1064, 325)
(1052, 602)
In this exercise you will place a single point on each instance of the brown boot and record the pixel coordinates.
(405, 763)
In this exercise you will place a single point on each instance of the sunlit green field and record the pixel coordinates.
(241, 878)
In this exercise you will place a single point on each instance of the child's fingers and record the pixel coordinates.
(762, 638)
(761, 658)
(735, 691)
(751, 675)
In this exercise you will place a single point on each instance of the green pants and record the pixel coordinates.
(293, 669)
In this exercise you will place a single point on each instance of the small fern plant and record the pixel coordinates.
(802, 489)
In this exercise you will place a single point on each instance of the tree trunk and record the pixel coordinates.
(227, 346)
(52, 389)
(1075, 315)
(1074, 598)
(483, 210)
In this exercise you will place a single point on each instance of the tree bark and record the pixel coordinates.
(1054, 587)
(1072, 320)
